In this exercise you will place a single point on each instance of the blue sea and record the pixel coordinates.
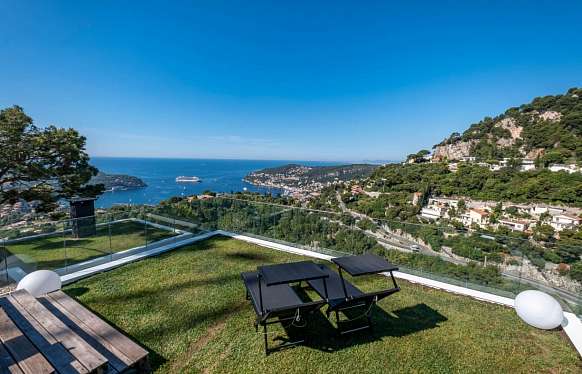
(160, 174)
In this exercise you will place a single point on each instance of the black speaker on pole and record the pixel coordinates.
(83, 217)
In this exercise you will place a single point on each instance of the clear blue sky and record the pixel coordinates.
(327, 80)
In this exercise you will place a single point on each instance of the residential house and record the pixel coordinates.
(571, 168)
(564, 221)
(357, 190)
(478, 217)
(527, 165)
(438, 208)
(453, 167)
(538, 210)
(514, 225)
(446, 202)
(433, 212)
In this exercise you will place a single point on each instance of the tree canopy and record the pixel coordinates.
(43, 164)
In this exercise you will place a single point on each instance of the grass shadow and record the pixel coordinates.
(248, 256)
(77, 291)
(152, 290)
(321, 334)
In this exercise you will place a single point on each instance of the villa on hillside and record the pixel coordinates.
(538, 210)
(514, 225)
(438, 208)
(564, 222)
(479, 217)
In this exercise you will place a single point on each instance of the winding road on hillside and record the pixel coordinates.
(393, 241)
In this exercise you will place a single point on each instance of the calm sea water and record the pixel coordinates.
(160, 175)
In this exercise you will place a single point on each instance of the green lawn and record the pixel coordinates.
(50, 252)
(188, 308)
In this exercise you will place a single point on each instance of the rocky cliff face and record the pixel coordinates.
(509, 124)
(454, 151)
(549, 128)
(457, 149)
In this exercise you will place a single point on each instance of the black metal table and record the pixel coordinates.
(273, 297)
(291, 272)
(364, 264)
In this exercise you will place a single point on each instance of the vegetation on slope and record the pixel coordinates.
(478, 182)
(559, 137)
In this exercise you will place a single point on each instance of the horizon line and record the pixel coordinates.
(244, 159)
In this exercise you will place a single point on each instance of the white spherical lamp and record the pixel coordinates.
(40, 282)
(539, 309)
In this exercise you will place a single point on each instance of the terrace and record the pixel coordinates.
(188, 308)
(180, 296)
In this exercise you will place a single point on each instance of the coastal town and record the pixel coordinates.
(304, 182)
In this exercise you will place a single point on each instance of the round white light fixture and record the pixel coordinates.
(539, 309)
(40, 282)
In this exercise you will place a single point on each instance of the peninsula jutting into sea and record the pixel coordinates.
(117, 182)
(302, 181)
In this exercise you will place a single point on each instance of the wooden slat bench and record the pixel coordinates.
(17, 352)
(121, 351)
(56, 334)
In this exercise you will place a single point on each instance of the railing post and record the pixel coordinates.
(5, 259)
(65, 245)
(145, 228)
(109, 231)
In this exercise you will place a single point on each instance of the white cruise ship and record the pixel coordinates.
(185, 179)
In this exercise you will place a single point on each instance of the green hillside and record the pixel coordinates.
(549, 129)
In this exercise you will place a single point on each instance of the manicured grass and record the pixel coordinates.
(50, 252)
(188, 308)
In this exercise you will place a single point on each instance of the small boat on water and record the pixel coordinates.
(185, 179)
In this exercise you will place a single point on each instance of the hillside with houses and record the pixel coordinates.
(515, 178)
(516, 217)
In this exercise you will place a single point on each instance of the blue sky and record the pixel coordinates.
(328, 80)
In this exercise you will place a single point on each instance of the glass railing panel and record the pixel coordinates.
(86, 242)
(128, 233)
(4, 279)
(502, 263)
(34, 246)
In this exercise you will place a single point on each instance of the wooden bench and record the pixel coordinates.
(56, 334)
(121, 352)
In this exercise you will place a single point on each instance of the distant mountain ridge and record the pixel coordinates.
(549, 129)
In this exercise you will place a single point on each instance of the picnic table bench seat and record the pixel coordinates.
(276, 303)
(274, 298)
(56, 334)
(343, 295)
(335, 289)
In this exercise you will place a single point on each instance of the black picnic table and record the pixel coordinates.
(365, 264)
(274, 300)
(291, 272)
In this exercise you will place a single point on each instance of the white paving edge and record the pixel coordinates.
(573, 328)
